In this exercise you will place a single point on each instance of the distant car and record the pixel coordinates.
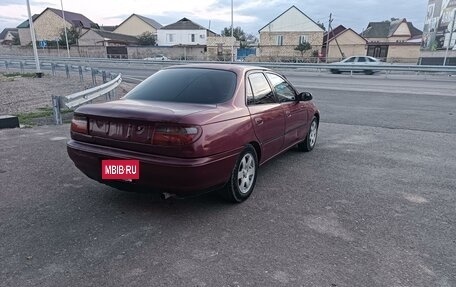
(355, 60)
(196, 128)
(157, 58)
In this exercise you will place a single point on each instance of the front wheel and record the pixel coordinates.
(311, 139)
(243, 176)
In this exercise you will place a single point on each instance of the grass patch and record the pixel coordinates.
(30, 118)
(17, 74)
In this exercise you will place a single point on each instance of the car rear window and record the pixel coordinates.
(186, 85)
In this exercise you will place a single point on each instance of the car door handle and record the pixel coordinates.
(259, 121)
(288, 114)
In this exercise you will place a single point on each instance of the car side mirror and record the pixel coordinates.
(304, 96)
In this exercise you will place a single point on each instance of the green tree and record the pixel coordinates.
(303, 47)
(73, 36)
(147, 39)
(238, 33)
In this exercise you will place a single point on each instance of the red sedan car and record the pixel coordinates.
(195, 128)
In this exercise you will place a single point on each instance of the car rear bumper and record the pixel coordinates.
(160, 173)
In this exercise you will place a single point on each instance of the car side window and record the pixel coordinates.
(262, 93)
(350, 60)
(361, 59)
(371, 60)
(283, 90)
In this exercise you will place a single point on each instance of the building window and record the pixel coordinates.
(303, 39)
(169, 38)
(279, 40)
(192, 38)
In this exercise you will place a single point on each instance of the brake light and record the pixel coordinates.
(175, 135)
(79, 124)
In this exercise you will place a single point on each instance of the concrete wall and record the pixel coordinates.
(398, 53)
(135, 27)
(93, 51)
(173, 53)
(225, 44)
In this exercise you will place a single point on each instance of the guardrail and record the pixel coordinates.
(384, 67)
(77, 99)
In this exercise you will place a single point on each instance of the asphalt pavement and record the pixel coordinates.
(372, 205)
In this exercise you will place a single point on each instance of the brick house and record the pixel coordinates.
(394, 41)
(136, 25)
(49, 24)
(279, 37)
(343, 43)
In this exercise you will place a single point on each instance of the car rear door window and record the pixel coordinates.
(187, 85)
(262, 92)
(361, 59)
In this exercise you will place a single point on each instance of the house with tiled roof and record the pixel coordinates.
(393, 40)
(98, 37)
(341, 43)
(48, 25)
(136, 25)
(183, 32)
(8, 35)
(280, 37)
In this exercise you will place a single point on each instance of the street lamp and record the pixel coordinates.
(32, 34)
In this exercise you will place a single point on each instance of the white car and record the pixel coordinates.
(355, 60)
(157, 58)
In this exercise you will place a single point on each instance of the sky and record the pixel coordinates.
(250, 15)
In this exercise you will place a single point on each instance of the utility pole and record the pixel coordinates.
(449, 40)
(32, 34)
(232, 34)
(327, 37)
(65, 29)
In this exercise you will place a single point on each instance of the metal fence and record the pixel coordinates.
(87, 63)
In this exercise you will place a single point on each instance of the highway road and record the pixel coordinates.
(372, 205)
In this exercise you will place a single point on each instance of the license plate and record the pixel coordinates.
(123, 169)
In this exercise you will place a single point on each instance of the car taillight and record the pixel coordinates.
(175, 135)
(79, 124)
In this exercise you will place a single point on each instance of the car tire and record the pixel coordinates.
(368, 72)
(334, 71)
(311, 138)
(243, 176)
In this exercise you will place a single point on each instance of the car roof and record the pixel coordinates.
(237, 68)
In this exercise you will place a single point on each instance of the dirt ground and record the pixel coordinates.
(20, 95)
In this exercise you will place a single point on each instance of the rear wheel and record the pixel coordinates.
(311, 139)
(334, 71)
(368, 72)
(243, 176)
